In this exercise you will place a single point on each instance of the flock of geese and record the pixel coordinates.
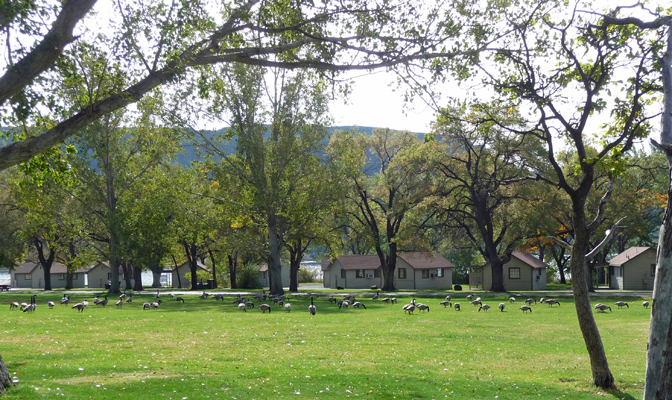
(243, 303)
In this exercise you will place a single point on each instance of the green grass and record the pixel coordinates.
(207, 349)
(559, 286)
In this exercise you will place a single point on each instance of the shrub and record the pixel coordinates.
(247, 276)
(308, 275)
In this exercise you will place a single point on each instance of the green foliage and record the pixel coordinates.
(200, 276)
(307, 275)
(247, 276)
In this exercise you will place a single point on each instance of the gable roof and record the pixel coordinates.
(56, 268)
(325, 262)
(356, 261)
(198, 265)
(627, 255)
(26, 267)
(423, 261)
(529, 259)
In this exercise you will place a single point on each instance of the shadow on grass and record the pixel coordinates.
(620, 395)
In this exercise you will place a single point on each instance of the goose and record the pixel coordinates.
(446, 304)
(86, 303)
(172, 296)
(512, 299)
(218, 296)
(343, 303)
(469, 297)
(409, 308)
(422, 307)
(393, 300)
(331, 299)
(478, 299)
(179, 298)
(103, 302)
(50, 304)
(265, 307)
(31, 307)
(288, 307)
(602, 307)
(241, 306)
(525, 308)
(311, 307)
(146, 306)
(358, 304)
(23, 306)
(158, 294)
(155, 305)
(386, 300)
(237, 300)
(449, 297)
(501, 307)
(530, 301)
(79, 306)
(65, 300)
(249, 304)
(550, 302)
(456, 306)
(13, 305)
(96, 300)
(645, 304)
(280, 302)
(122, 296)
(205, 296)
(483, 307)
(476, 302)
(620, 304)
(130, 298)
(120, 303)
(376, 296)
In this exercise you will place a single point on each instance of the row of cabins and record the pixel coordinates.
(634, 269)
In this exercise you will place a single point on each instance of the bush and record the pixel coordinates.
(200, 275)
(308, 275)
(247, 276)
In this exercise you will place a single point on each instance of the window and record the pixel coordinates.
(653, 269)
(425, 273)
(61, 277)
(514, 273)
(439, 272)
(360, 273)
(76, 276)
(342, 274)
(29, 277)
(402, 273)
(376, 273)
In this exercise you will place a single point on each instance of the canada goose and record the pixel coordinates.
(550, 302)
(358, 304)
(50, 304)
(620, 304)
(478, 299)
(130, 298)
(288, 307)
(483, 307)
(512, 299)
(249, 304)
(530, 301)
(31, 307)
(65, 300)
(376, 296)
(265, 307)
(311, 307)
(155, 305)
(79, 306)
(103, 302)
(525, 308)
(331, 299)
(122, 296)
(241, 306)
(158, 294)
(343, 303)
(86, 303)
(469, 297)
(218, 296)
(422, 307)
(445, 304)
(96, 300)
(23, 306)
(602, 307)
(171, 295)
(146, 306)
(645, 304)
(14, 305)
(120, 303)
(204, 296)
(393, 300)
(456, 306)
(386, 300)
(179, 298)
(476, 302)
(409, 308)
(501, 307)
(449, 297)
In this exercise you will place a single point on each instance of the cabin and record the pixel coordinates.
(523, 272)
(101, 274)
(284, 273)
(413, 271)
(179, 277)
(633, 269)
(30, 275)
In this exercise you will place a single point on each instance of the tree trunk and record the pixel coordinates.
(5, 378)
(156, 276)
(45, 262)
(274, 265)
(69, 278)
(114, 261)
(137, 277)
(214, 270)
(233, 268)
(497, 270)
(177, 272)
(602, 376)
(389, 263)
(589, 277)
(128, 275)
(658, 383)
(295, 256)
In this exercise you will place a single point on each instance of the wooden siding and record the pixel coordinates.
(637, 272)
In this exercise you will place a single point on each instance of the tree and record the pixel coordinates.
(159, 42)
(385, 206)
(565, 97)
(482, 191)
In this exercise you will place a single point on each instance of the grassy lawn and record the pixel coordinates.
(559, 286)
(207, 349)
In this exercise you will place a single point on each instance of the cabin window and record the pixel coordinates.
(29, 277)
(342, 274)
(376, 273)
(439, 272)
(402, 273)
(360, 273)
(514, 273)
(76, 276)
(653, 269)
(61, 277)
(425, 273)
